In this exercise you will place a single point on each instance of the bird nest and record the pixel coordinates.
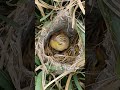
(70, 58)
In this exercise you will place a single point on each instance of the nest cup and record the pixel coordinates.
(73, 56)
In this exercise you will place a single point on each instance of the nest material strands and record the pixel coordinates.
(73, 56)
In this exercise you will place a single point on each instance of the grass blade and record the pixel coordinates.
(38, 85)
(76, 82)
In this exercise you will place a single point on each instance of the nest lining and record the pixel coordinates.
(65, 56)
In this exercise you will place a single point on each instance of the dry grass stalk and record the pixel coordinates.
(68, 82)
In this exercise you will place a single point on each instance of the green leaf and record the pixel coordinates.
(38, 82)
(45, 17)
(76, 82)
(81, 30)
(37, 60)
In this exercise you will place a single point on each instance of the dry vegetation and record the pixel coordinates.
(60, 70)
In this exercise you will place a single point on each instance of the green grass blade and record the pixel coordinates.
(76, 82)
(38, 84)
(37, 60)
(44, 18)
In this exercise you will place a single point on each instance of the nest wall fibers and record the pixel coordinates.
(61, 22)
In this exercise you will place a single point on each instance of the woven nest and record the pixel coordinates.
(71, 58)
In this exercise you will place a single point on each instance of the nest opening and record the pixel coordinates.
(67, 56)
